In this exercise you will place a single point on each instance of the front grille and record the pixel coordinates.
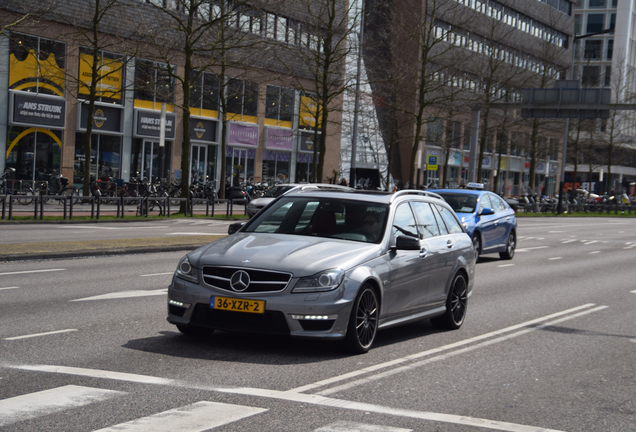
(272, 322)
(260, 280)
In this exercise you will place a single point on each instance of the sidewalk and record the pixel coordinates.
(53, 250)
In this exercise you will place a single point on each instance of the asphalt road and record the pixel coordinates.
(549, 344)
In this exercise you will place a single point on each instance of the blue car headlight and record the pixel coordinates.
(327, 280)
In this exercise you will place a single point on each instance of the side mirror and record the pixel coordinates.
(486, 211)
(407, 243)
(232, 228)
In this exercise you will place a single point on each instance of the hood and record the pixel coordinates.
(261, 202)
(299, 255)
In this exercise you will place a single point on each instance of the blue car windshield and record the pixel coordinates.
(460, 202)
(323, 217)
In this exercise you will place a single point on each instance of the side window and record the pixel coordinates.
(450, 220)
(426, 218)
(440, 222)
(484, 202)
(404, 222)
(498, 203)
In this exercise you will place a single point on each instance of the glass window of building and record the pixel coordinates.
(279, 110)
(434, 129)
(105, 158)
(595, 22)
(35, 153)
(154, 84)
(597, 4)
(610, 49)
(110, 76)
(204, 95)
(593, 49)
(276, 166)
(242, 100)
(37, 65)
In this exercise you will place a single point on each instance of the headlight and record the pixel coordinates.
(186, 271)
(324, 281)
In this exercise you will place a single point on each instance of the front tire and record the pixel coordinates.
(510, 247)
(456, 305)
(363, 321)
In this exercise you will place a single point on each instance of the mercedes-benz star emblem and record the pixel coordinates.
(240, 281)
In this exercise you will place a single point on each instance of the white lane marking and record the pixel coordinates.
(531, 248)
(95, 373)
(192, 234)
(630, 246)
(555, 258)
(89, 227)
(589, 242)
(505, 265)
(8, 288)
(358, 406)
(346, 426)
(568, 241)
(30, 271)
(157, 274)
(595, 252)
(379, 366)
(125, 294)
(40, 334)
(32, 405)
(633, 292)
(198, 417)
(446, 356)
(555, 232)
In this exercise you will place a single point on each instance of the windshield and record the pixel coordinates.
(276, 191)
(323, 217)
(460, 202)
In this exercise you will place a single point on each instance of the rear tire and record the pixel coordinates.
(510, 247)
(477, 246)
(363, 321)
(456, 305)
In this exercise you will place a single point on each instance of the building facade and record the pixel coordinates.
(45, 79)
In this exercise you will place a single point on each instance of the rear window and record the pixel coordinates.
(459, 202)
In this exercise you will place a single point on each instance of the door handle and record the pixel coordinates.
(449, 244)
(508, 218)
(423, 253)
(496, 222)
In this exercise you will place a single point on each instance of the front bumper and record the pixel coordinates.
(303, 315)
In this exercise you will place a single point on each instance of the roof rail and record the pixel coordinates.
(415, 192)
(310, 187)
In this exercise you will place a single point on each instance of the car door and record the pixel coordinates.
(502, 221)
(435, 247)
(409, 273)
(486, 223)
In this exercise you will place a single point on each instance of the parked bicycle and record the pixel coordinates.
(22, 190)
(57, 186)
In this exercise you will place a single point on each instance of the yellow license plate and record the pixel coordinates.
(237, 305)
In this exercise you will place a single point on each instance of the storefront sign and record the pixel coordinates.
(279, 139)
(540, 168)
(243, 135)
(431, 163)
(105, 119)
(455, 158)
(308, 112)
(203, 130)
(38, 110)
(110, 72)
(148, 124)
(307, 143)
(486, 162)
(515, 164)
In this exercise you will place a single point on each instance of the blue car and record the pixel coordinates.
(486, 217)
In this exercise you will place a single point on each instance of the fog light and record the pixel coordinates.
(178, 303)
(314, 317)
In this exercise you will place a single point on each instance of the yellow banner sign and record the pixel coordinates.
(109, 84)
(308, 112)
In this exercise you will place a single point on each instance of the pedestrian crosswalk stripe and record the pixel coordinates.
(197, 417)
(126, 294)
(32, 405)
(346, 426)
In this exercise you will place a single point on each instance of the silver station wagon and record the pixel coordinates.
(330, 264)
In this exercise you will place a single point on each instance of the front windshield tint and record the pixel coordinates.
(323, 217)
(461, 203)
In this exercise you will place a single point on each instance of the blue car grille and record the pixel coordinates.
(260, 280)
